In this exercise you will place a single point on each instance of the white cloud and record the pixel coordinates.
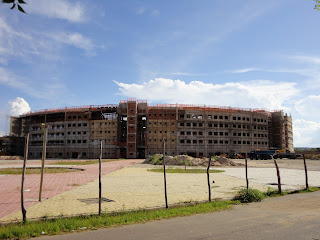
(155, 12)
(307, 59)
(9, 39)
(50, 88)
(183, 74)
(14, 107)
(244, 70)
(9, 79)
(253, 94)
(309, 107)
(18, 107)
(61, 9)
(306, 133)
(45, 45)
(141, 10)
(74, 39)
(3, 61)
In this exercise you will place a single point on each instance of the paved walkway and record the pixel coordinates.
(53, 185)
(135, 187)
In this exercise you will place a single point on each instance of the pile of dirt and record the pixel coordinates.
(185, 160)
(227, 162)
(179, 160)
(11, 158)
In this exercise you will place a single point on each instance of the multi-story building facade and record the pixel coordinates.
(134, 129)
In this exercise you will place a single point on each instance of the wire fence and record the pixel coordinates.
(134, 186)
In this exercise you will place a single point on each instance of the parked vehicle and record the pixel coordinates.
(264, 155)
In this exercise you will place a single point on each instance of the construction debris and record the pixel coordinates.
(185, 160)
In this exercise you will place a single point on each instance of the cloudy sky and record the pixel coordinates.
(250, 54)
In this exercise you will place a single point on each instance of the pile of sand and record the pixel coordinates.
(227, 162)
(184, 160)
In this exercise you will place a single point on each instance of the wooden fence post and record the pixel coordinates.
(306, 171)
(164, 173)
(208, 178)
(44, 152)
(100, 195)
(26, 147)
(278, 174)
(246, 163)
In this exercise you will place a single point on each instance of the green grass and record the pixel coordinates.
(87, 162)
(254, 195)
(274, 192)
(180, 170)
(36, 170)
(64, 225)
(249, 195)
(310, 189)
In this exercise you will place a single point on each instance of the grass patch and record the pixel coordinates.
(87, 162)
(37, 170)
(250, 195)
(274, 192)
(310, 189)
(64, 225)
(180, 170)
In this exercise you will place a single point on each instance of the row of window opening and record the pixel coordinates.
(77, 125)
(77, 117)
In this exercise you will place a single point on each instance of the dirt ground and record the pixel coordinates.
(312, 165)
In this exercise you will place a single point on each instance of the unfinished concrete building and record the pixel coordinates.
(134, 129)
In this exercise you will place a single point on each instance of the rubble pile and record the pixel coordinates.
(185, 160)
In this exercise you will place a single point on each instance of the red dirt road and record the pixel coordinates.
(53, 184)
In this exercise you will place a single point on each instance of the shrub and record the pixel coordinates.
(250, 195)
(156, 159)
(272, 192)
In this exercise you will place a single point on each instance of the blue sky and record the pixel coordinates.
(250, 54)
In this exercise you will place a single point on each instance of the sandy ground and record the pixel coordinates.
(134, 187)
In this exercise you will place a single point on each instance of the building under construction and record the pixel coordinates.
(134, 129)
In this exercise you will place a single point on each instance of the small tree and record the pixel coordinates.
(187, 162)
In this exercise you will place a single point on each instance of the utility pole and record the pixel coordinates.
(44, 150)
